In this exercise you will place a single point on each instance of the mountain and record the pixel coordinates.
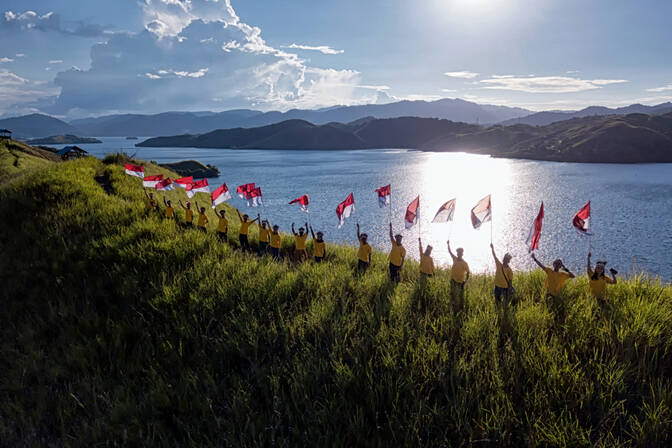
(67, 139)
(548, 117)
(35, 126)
(633, 138)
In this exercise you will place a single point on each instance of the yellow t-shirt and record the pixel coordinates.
(459, 270)
(397, 254)
(598, 287)
(263, 234)
(245, 227)
(223, 225)
(202, 219)
(364, 252)
(500, 281)
(190, 215)
(170, 212)
(276, 240)
(426, 264)
(151, 204)
(555, 281)
(300, 241)
(319, 249)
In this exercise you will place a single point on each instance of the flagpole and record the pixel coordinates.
(390, 208)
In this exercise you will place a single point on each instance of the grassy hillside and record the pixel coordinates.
(119, 327)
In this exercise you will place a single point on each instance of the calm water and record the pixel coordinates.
(632, 204)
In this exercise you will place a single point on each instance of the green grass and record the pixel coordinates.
(121, 328)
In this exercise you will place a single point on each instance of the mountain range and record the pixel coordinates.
(548, 117)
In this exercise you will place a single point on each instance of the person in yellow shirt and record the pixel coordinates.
(426, 260)
(300, 238)
(396, 256)
(555, 278)
(503, 277)
(245, 224)
(364, 252)
(152, 204)
(319, 246)
(222, 226)
(188, 214)
(598, 280)
(169, 211)
(276, 242)
(459, 275)
(202, 218)
(264, 235)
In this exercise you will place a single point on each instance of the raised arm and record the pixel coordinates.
(391, 235)
(494, 255)
(164, 200)
(255, 219)
(145, 191)
(239, 215)
(539, 263)
(182, 205)
(311, 231)
(358, 234)
(452, 255)
(197, 206)
(293, 231)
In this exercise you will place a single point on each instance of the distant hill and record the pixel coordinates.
(548, 117)
(632, 138)
(36, 125)
(67, 139)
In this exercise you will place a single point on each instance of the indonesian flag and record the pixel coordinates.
(383, 196)
(481, 213)
(412, 213)
(302, 201)
(200, 186)
(165, 185)
(182, 182)
(151, 181)
(220, 195)
(535, 231)
(242, 190)
(254, 198)
(135, 170)
(446, 212)
(581, 221)
(345, 209)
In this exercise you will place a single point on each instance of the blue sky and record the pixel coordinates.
(76, 58)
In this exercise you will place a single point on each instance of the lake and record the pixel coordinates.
(631, 204)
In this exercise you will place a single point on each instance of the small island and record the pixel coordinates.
(131, 138)
(192, 168)
(63, 139)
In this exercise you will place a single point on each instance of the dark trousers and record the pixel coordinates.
(457, 295)
(244, 243)
(202, 229)
(263, 247)
(362, 266)
(275, 252)
(395, 273)
(319, 259)
(501, 293)
(222, 236)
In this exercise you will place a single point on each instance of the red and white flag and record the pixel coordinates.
(151, 181)
(200, 186)
(242, 190)
(383, 195)
(135, 170)
(345, 209)
(446, 212)
(302, 201)
(581, 221)
(535, 231)
(220, 195)
(182, 182)
(254, 198)
(481, 213)
(165, 185)
(411, 217)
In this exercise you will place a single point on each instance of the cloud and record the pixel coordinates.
(56, 61)
(3, 59)
(572, 72)
(324, 49)
(661, 89)
(20, 55)
(546, 84)
(17, 89)
(30, 20)
(462, 74)
(448, 90)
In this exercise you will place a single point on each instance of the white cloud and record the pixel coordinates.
(573, 72)
(17, 89)
(462, 74)
(30, 20)
(19, 55)
(56, 61)
(4, 59)
(321, 48)
(371, 87)
(448, 90)
(546, 84)
(666, 88)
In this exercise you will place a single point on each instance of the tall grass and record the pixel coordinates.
(120, 327)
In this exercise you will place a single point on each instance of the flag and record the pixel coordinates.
(412, 213)
(151, 181)
(446, 212)
(302, 201)
(383, 196)
(135, 170)
(242, 190)
(182, 182)
(345, 209)
(254, 198)
(220, 195)
(200, 186)
(481, 213)
(581, 221)
(165, 185)
(535, 231)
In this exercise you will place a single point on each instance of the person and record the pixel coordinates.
(364, 252)
(300, 238)
(152, 204)
(169, 211)
(459, 275)
(276, 242)
(319, 247)
(222, 226)
(202, 218)
(396, 256)
(556, 277)
(264, 234)
(188, 214)
(245, 224)
(426, 261)
(503, 277)
(598, 280)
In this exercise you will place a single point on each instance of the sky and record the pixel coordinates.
(73, 58)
